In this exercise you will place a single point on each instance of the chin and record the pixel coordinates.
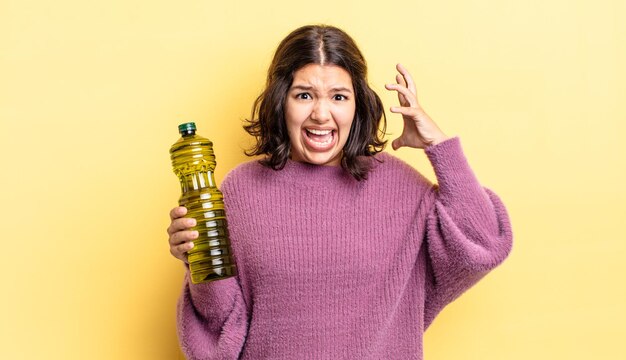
(332, 160)
(321, 159)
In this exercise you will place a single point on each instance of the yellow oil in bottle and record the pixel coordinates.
(193, 162)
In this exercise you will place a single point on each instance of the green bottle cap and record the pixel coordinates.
(183, 128)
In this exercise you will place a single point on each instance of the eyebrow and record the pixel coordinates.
(309, 87)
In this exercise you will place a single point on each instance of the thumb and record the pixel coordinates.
(397, 143)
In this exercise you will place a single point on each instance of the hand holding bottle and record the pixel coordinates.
(180, 237)
(209, 256)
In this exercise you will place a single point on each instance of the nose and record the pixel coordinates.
(321, 111)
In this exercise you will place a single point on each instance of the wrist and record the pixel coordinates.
(438, 140)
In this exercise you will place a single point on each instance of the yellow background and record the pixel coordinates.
(91, 93)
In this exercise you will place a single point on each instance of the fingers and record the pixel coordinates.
(177, 212)
(180, 237)
(180, 251)
(401, 98)
(179, 231)
(181, 242)
(400, 80)
(180, 224)
(410, 84)
(409, 96)
(405, 87)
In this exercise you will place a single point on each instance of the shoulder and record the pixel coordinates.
(242, 174)
(392, 169)
(392, 178)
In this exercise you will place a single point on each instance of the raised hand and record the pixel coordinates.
(420, 131)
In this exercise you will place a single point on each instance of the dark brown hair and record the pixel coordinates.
(322, 45)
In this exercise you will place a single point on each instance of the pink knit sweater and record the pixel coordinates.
(333, 268)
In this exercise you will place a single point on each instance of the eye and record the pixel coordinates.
(340, 97)
(303, 96)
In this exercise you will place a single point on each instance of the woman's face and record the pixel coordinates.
(319, 111)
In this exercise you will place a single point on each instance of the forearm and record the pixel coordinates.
(460, 199)
(211, 319)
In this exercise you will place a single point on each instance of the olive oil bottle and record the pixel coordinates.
(193, 162)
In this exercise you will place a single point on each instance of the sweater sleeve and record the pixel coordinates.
(468, 231)
(211, 319)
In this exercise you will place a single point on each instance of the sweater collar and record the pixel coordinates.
(306, 173)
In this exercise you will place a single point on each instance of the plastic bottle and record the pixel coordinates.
(193, 162)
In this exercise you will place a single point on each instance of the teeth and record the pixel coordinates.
(322, 143)
(319, 132)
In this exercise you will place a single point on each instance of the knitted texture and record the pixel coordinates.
(333, 268)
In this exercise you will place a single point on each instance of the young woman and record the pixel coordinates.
(343, 251)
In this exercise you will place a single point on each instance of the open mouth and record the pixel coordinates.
(320, 139)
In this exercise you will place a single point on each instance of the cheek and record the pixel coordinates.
(290, 121)
(293, 132)
(346, 119)
(294, 115)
